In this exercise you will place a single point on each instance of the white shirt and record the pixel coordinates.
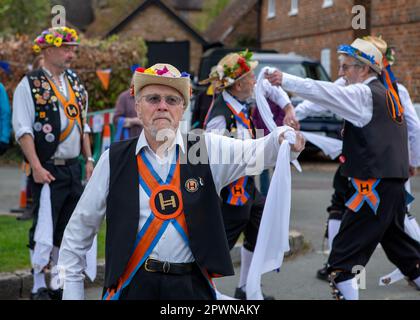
(274, 93)
(353, 102)
(308, 108)
(23, 119)
(90, 210)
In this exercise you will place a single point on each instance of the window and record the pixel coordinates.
(326, 60)
(271, 9)
(293, 8)
(327, 3)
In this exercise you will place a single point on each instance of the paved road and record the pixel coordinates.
(312, 191)
(296, 281)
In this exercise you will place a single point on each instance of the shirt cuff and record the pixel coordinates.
(74, 290)
(86, 128)
(22, 131)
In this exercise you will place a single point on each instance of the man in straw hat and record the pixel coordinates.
(375, 157)
(49, 115)
(242, 202)
(337, 208)
(160, 195)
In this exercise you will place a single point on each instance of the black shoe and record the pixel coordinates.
(241, 295)
(56, 294)
(322, 274)
(411, 283)
(41, 294)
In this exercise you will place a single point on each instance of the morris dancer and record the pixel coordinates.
(49, 120)
(374, 130)
(165, 233)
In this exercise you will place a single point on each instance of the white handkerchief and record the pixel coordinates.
(43, 236)
(273, 235)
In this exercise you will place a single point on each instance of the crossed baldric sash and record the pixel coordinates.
(70, 110)
(165, 200)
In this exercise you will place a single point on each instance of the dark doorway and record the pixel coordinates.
(176, 53)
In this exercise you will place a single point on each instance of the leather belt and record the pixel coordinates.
(152, 265)
(62, 162)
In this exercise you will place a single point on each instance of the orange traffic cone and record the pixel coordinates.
(106, 134)
(23, 181)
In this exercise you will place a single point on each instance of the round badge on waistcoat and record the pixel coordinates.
(37, 126)
(72, 112)
(191, 185)
(49, 137)
(47, 128)
(166, 202)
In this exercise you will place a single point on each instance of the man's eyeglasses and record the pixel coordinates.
(155, 99)
(346, 67)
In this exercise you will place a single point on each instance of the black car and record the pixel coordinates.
(326, 124)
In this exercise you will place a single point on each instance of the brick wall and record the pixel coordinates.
(314, 28)
(399, 23)
(144, 25)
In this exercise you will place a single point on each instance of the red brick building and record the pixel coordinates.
(315, 27)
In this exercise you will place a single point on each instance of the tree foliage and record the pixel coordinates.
(24, 17)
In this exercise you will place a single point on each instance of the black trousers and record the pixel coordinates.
(360, 233)
(246, 219)
(162, 286)
(65, 193)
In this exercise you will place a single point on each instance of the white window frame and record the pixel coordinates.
(294, 7)
(327, 3)
(271, 9)
(326, 60)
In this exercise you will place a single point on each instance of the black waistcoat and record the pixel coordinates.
(379, 149)
(220, 108)
(203, 215)
(47, 126)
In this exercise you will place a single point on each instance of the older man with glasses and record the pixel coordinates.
(160, 195)
(375, 162)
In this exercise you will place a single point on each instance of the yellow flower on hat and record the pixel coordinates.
(49, 38)
(150, 71)
(58, 41)
(36, 48)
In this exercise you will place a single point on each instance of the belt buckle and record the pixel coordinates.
(166, 267)
(146, 267)
(59, 162)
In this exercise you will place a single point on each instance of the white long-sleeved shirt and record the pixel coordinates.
(353, 102)
(257, 154)
(308, 108)
(23, 119)
(274, 93)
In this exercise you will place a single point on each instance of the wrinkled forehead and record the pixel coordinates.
(346, 59)
(159, 89)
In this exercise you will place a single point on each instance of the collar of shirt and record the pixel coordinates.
(235, 103)
(369, 80)
(142, 143)
(49, 74)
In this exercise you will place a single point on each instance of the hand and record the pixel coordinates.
(412, 171)
(127, 123)
(88, 169)
(42, 175)
(275, 78)
(299, 144)
(290, 117)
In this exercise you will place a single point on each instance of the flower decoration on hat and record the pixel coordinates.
(55, 37)
(165, 72)
(355, 53)
(230, 69)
